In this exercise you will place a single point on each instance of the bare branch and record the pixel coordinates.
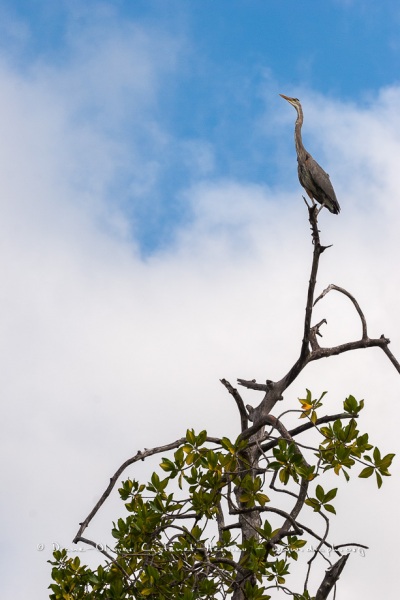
(321, 352)
(100, 548)
(113, 480)
(231, 526)
(318, 537)
(391, 357)
(332, 286)
(331, 577)
(381, 342)
(239, 402)
(318, 249)
(351, 544)
(309, 425)
(253, 385)
(318, 548)
(274, 391)
(301, 497)
(314, 331)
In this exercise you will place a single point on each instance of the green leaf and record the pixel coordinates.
(201, 438)
(146, 591)
(155, 480)
(386, 461)
(367, 472)
(190, 437)
(246, 497)
(167, 465)
(227, 444)
(262, 498)
(319, 492)
(314, 504)
(284, 476)
(326, 432)
(350, 405)
(190, 458)
(377, 455)
(330, 495)
(212, 458)
(179, 457)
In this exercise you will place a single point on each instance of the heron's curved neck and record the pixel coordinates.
(301, 151)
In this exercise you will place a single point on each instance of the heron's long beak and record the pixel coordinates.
(286, 97)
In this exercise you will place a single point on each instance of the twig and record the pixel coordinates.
(309, 425)
(301, 497)
(332, 286)
(391, 356)
(351, 544)
(244, 421)
(318, 548)
(113, 480)
(253, 385)
(106, 554)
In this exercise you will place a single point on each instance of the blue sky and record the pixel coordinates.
(230, 60)
(346, 48)
(154, 239)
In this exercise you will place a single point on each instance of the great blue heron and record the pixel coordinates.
(311, 175)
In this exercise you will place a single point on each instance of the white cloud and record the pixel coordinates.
(104, 353)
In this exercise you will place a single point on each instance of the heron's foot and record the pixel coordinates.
(318, 210)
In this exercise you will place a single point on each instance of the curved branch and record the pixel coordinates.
(301, 497)
(332, 286)
(106, 554)
(391, 356)
(363, 546)
(239, 403)
(318, 548)
(113, 480)
(331, 547)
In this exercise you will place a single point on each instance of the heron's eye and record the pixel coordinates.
(297, 100)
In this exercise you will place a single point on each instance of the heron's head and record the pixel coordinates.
(293, 101)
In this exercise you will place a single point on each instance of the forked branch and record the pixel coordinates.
(310, 347)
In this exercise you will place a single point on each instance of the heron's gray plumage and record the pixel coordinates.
(312, 176)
